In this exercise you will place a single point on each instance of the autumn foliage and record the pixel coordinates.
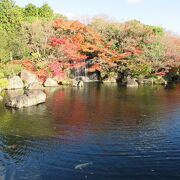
(130, 47)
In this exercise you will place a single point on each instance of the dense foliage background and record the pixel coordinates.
(49, 44)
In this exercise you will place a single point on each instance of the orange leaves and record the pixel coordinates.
(72, 51)
(90, 48)
(26, 64)
(121, 56)
(42, 74)
(138, 51)
(79, 30)
(95, 68)
(125, 55)
(69, 25)
(80, 40)
(77, 65)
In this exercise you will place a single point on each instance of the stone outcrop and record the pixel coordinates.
(28, 77)
(153, 81)
(35, 86)
(14, 93)
(131, 82)
(66, 82)
(15, 83)
(27, 99)
(50, 83)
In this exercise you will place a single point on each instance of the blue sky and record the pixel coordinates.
(165, 13)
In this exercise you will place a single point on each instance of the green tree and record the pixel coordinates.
(31, 10)
(45, 11)
(11, 16)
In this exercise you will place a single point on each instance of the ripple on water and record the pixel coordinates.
(126, 134)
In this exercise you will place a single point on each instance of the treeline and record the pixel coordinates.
(49, 43)
(13, 24)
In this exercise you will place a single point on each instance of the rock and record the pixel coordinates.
(76, 83)
(15, 83)
(81, 84)
(27, 99)
(14, 93)
(1, 98)
(160, 81)
(50, 83)
(153, 81)
(131, 82)
(35, 86)
(66, 82)
(28, 77)
(149, 81)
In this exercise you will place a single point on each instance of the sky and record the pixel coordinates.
(165, 13)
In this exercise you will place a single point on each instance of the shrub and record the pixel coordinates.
(4, 83)
(9, 70)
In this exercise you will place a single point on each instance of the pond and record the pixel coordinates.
(96, 132)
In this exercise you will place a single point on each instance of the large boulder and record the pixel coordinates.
(14, 93)
(160, 81)
(35, 86)
(26, 100)
(50, 83)
(28, 77)
(131, 82)
(153, 81)
(66, 82)
(15, 83)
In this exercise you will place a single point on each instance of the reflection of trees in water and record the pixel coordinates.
(96, 106)
(94, 109)
(20, 129)
(31, 121)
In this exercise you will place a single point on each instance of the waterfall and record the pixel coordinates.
(86, 78)
(77, 74)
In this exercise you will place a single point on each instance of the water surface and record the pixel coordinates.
(117, 133)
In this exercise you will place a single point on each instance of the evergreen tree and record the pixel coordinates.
(31, 10)
(46, 11)
(11, 16)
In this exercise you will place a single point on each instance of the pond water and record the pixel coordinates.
(97, 132)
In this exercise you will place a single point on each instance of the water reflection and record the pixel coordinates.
(125, 133)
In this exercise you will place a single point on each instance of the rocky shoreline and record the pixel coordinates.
(31, 91)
